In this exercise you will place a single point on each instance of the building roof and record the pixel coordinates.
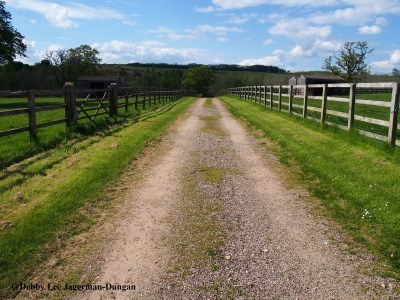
(98, 78)
(323, 77)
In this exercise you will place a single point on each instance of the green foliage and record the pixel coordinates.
(11, 41)
(68, 65)
(351, 60)
(199, 79)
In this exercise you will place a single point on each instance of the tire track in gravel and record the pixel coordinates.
(136, 255)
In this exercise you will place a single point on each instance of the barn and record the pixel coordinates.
(98, 82)
(319, 79)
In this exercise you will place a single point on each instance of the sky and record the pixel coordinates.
(295, 35)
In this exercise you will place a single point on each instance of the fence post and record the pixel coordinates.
(394, 111)
(290, 98)
(113, 103)
(352, 104)
(280, 98)
(271, 94)
(126, 100)
(32, 115)
(259, 96)
(250, 92)
(305, 104)
(149, 91)
(144, 99)
(324, 102)
(136, 98)
(70, 104)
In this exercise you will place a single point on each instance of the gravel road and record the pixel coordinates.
(266, 244)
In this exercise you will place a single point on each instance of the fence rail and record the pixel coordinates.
(85, 104)
(295, 99)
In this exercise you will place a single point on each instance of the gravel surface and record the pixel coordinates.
(273, 247)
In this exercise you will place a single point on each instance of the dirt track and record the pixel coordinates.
(272, 247)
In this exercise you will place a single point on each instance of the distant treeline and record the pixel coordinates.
(218, 67)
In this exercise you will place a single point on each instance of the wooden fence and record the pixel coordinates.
(290, 98)
(85, 104)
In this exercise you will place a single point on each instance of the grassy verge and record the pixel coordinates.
(356, 178)
(42, 198)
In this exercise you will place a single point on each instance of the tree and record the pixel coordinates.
(350, 60)
(199, 79)
(395, 72)
(68, 65)
(11, 41)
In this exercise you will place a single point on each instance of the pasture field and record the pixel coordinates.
(17, 147)
(355, 178)
(43, 197)
(369, 111)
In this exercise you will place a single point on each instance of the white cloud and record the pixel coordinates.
(387, 65)
(223, 40)
(218, 30)
(271, 60)
(239, 4)
(149, 51)
(299, 31)
(374, 29)
(317, 48)
(35, 55)
(300, 51)
(266, 60)
(206, 9)
(165, 32)
(358, 12)
(239, 19)
(381, 21)
(268, 42)
(64, 16)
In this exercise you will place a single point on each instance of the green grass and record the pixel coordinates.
(43, 197)
(357, 179)
(17, 147)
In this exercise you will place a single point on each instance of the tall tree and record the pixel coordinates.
(199, 79)
(350, 60)
(11, 41)
(68, 65)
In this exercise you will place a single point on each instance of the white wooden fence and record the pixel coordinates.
(294, 99)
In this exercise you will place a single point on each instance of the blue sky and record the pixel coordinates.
(295, 35)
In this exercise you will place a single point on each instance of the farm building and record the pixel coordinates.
(98, 82)
(317, 79)
(293, 80)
